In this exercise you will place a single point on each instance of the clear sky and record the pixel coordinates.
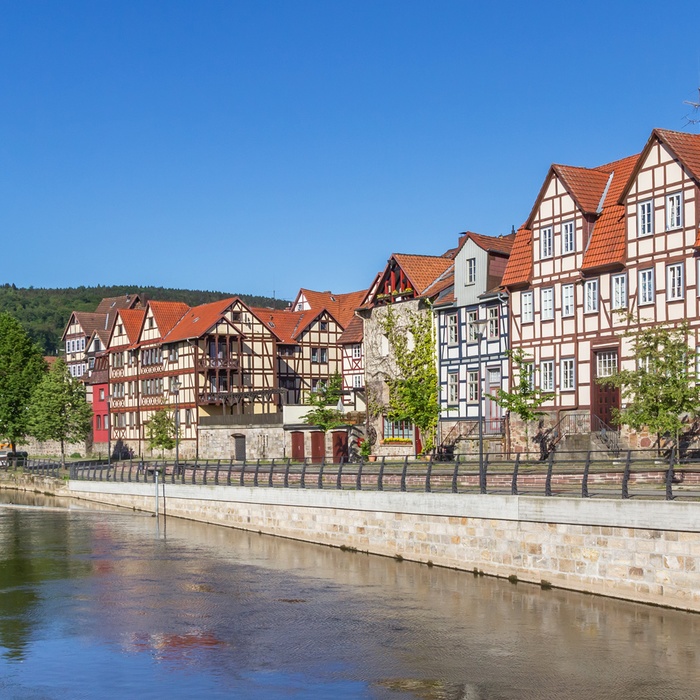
(262, 146)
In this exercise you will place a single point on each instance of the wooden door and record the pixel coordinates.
(492, 411)
(318, 446)
(298, 446)
(340, 445)
(239, 447)
(604, 398)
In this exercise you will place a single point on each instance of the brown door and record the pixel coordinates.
(604, 398)
(318, 446)
(298, 446)
(340, 445)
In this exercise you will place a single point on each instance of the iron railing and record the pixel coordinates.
(638, 474)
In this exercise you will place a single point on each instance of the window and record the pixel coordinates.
(546, 243)
(674, 282)
(118, 359)
(452, 388)
(645, 218)
(173, 354)
(527, 375)
(646, 286)
(547, 304)
(472, 317)
(590, 296)
(91, 363)
(567, 235)
(674, 218)
(568, 379)
(473, 387)
(470, 276)
(119, 329)
(188, 417)
(323, 325)
(567, 300)
(105, 422)
(102, 394)
(152, 387)
(357, 381)
(452, 331)
(493, 322)
(547, 375)
(98, 422)
(398, 429)
(357, 351)
(319, 355)
(288, 350)
(526, 307)
(606, 363)
(151, 322)
(618, 293)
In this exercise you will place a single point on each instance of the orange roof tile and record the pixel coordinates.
(167, 314)
(492, 244)
(585, 185)
(132, 319)
(422, 270)
(685, 146)
(519, 268)
(283, 323)
(198, 320)
(341, 306)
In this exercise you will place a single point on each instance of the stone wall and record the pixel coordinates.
(261, 442)
(637, 550)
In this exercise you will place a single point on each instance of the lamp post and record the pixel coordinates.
(175, 391)
(479, 329)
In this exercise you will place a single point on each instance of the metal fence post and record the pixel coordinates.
(514, 483)
(339, 478)
(584, 481)
(403, 473)
(428, 474)
(455, 474)
(380, 476)
(548, 482)
(626, 475)
(358, 478)
(272, 469)
(669, 475)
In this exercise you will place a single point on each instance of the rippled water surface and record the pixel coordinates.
(98, 603)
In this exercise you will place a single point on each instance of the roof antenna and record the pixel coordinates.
(512, 229)
(694, 117)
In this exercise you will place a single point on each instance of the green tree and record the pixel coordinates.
(21, 369)
(324, 414)
(525, 398)
(58, 409)
(161, 430)
(413, 393)
(662, 390)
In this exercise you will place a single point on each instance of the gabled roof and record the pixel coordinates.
(198, 320)
(88, 320)
(167, 314)
(126, 301)
(422, 270)
(500, 245)
(607, 244)
(519, 268)
(353, 333)
(132, 320)
(283, 323)
(341, 306)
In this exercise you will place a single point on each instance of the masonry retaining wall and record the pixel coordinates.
(647, 551)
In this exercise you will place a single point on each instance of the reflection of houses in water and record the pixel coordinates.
(172, 647)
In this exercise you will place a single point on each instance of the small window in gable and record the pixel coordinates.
(546, 243)
(567, 235)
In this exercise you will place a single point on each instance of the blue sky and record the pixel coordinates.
(262, 146)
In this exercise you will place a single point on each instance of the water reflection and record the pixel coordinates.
(194, 609)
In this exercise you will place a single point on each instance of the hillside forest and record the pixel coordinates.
(44, 313)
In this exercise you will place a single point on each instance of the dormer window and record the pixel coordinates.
(546, 243)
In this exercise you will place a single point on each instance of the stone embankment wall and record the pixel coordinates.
(647, 551)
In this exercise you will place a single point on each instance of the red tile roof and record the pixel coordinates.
(126, 301)
(422, 270)
(132, 320)
(519, 268)
(198, 320)
(89, 321)
(353, 333)
(607, 243)
(167, 314)
(685, 146)
(283, 323)
(491, 244)
(341, 306)
(585, 185)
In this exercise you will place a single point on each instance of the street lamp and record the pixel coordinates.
(175, 391)
(479, 330)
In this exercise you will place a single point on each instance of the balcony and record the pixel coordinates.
(208, 362)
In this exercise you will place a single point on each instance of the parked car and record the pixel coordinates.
(7, 458)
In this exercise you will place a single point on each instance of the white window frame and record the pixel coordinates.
(494, 322)
(675, 288)
(473, 386)
(546, 242)
(618, 292)
(472, 317)
(645, 218)
(606, 364)
(568, 374)
(547, 304)
(527, 306)
(674, 211)
(547, 375)
(568, 300)
(645, 292)
(470, 271)
(452, 324)
(590, 296)
(527, 369)
(357, 351)
(357, 381)
(452, 388)
(568, 237)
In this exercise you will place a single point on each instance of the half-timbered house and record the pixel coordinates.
(472, 343)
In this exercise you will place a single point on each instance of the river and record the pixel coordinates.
(106, 603)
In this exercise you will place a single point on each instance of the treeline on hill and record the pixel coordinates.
(45, 312)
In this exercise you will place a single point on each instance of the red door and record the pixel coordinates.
(604, 398)
(340, 445)
(298, 447)
(318, 446)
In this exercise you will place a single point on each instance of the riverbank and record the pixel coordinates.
(645, 551)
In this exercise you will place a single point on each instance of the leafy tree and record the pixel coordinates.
(662, 390)
(21, 369)
(413, 393)
(324, 414)
(58, 409)
(161, 430)
(525, 398)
